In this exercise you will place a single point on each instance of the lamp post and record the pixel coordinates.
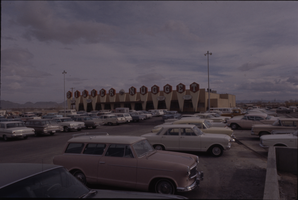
(64, 72)
(208, 78)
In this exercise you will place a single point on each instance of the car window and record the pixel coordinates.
(74, 148)
(2, 126)
(97, 149)
(13, 125)
(276, 123)
(258, 118)
(250, 117)
(288, 123)
(187, 132)
(116, 150)
(172, 131)
(244, 118)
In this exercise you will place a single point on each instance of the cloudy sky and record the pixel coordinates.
(105, 44)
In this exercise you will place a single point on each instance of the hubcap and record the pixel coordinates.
(216, 151)
(165, 188)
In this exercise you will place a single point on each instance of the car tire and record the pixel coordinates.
(66, 129)
(234, 126)
(25, 137)
(5, 138)
(79, 129)
(164, 186)
(159, 147)
(52, 133)
(216, 150)
(110, 123)
(94, 127)
(80, 176)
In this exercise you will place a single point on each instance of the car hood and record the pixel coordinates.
(172, 157)
(218, 130)
(116, 194)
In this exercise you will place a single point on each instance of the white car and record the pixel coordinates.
(69, 124)
(15, 129)
(287, 140)
(210, 116)
(127, 116)
(184, 137)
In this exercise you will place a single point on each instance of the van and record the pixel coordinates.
(67, 112)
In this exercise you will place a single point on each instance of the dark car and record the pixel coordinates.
(43, 126)
(137, 116)
(34, 180)
(89, 122)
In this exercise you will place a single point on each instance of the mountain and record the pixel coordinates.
(49, 104)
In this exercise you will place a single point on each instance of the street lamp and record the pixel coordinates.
(64, 72)
(208, 78)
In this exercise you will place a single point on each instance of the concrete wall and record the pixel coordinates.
(286, 159)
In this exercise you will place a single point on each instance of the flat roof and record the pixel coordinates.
(110, 139)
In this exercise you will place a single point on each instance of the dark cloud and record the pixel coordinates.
(8, 38)
(293, 80)
(251, 66)
(41, 23)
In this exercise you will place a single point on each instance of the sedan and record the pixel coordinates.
(15, 129)
(286, 140)
(184, 137)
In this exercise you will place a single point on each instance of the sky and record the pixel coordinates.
(119, 44)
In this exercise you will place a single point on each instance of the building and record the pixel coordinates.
(193, 99)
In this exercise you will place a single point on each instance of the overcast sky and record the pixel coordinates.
(111, 44)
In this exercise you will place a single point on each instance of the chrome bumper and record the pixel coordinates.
(200, 177)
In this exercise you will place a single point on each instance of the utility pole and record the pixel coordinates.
(208, 78)
(72, 98)
(64, 72)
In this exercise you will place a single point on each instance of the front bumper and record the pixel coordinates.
(196, 183)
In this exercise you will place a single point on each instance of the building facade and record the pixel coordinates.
(167, 97)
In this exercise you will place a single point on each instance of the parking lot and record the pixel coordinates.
(238, 174)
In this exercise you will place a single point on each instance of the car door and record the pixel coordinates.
(118, 167)
(189, 140)
(247, 124)
(170, 139)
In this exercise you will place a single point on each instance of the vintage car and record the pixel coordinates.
(129, 162)
(43, 126)
(202, 124)
(146, 114)
(211, 116)
(112, 119)
(15, 129)
(127, 116)
(34, 180)
(248, 120)
(171, 115)
(137, 117)
(279, 124)
(89, 122)
(235, 112)
(287, 140)
(185, 137)
(69, 124)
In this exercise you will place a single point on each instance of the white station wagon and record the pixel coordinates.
(287, 140)
(15, 129)
(184, 137)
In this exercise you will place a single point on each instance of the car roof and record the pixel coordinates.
(177, 125)
(13, 172)
(257, 114)
(115, 139)
(38, 120)
(8, 122)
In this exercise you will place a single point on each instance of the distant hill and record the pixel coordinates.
(50, 104)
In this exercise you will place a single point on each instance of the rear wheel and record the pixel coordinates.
(216, 150)
(164, 186)
(25, 137)
(110, 123)
(66, 129)
(234, 126)
(94, 127)
(52, 133)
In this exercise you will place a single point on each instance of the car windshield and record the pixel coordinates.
(13, 125)
(207, 124)
(142, 147)
(197, 130)
(276, 123)
(56, 183)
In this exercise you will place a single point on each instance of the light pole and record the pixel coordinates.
(208, 78)
(64, 72)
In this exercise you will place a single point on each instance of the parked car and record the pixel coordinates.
(131, 162)
(248, 120)
(69, 124)
(27, 117)
(34, 180)
(15, 129)
(287, 140)
(43, 126)
(137, 117)
(171, 115)
(235, 112)
(67, 112)
(112, 119)
(126, 115)
(202, 124)
(51, 116)
(210, 116)
(279, 124)
(185, 137)
(89, 122)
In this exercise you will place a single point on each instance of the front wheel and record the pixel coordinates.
(164, 186)
(94, 127)
(80, 176)
(66, 129)
(216, 150)
(158, 147)
(234, 126)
